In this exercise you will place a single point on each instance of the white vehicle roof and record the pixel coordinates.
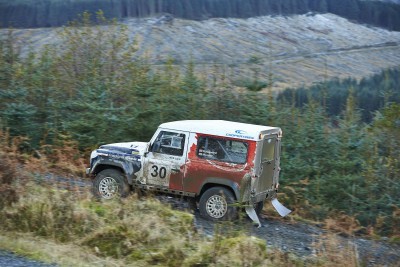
(222, 128)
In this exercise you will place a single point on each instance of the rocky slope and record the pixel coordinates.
(293, 50)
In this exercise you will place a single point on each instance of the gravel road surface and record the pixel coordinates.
(301, 239)
(9, 259)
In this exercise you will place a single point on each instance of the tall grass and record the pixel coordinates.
(331, 252)
(138, 232)
(144, 232)
(8, 170)
(8, 194)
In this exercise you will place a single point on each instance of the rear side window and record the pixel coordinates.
(222, 149)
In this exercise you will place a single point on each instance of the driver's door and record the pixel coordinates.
(165, 160)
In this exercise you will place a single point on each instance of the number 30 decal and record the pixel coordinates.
(161, 172)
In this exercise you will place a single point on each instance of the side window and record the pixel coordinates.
(222, 149)
(169, 143)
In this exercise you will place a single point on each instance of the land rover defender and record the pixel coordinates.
(215, 164)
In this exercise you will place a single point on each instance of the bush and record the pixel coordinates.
(8, 193)
(49, 213)
(142, 231)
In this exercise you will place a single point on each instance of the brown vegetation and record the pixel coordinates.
(8, 171)
(8, 194)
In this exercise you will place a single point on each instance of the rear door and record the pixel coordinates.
(267, 164)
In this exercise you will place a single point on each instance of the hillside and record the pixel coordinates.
(52, 13)
(295, 50)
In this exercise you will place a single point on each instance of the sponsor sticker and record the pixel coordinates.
(240, 134)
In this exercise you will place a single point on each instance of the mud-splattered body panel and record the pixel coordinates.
(204, 165)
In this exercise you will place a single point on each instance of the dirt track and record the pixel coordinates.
(301, 239)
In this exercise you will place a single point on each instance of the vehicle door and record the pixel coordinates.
(165, 160)
(267, 164)
(216, 160)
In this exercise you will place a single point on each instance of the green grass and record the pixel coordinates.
(46, 224)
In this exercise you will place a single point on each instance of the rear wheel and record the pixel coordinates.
(110, 183)
(217, 204)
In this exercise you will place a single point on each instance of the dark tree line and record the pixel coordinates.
(370, 94)
(51, 13)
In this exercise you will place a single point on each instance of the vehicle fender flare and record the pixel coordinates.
(246, 186)
(213, 181)
(127, 168)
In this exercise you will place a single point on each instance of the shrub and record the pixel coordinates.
(49, 213)
(143, 231)
(8, 193)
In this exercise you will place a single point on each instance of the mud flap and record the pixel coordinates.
(253, 215)
(282, 210)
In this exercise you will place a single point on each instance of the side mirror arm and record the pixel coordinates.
(147, 151)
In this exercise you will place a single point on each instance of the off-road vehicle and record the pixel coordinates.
(215, 164)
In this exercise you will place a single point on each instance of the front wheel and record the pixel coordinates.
(110, 183)
(217, 203)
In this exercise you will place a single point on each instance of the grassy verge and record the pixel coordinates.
(49, 251)
(60, 227)
(57, 226)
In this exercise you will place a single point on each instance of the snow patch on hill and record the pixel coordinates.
(294, 50)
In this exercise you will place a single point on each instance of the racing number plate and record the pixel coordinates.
(158, 174)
